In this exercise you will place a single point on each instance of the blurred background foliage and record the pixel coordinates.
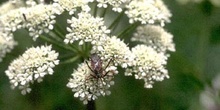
(192, 69)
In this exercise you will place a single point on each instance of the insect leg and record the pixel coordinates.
(91, 70)
(108, 64)
(89, 67)
(106, 74)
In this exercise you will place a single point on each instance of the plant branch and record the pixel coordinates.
(128, 29)
(56, 43)
(116, 20)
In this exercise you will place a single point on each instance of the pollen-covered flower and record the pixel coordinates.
(116, 4)
(87, 86)
(86, 28)
(154, 36)
(72, 5)
(33, 65)
(7, 43)
(148, 11)
(148, 65)
(114, 48)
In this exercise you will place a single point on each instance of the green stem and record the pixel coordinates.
(71, 60)
(95, 9)
(128, 29)
(58, 33)
(88, 47)
(116, 20)
(54, 36)
(91, 105)
(104, 12)
(62, 32)
(80, 51)
(66, 56)
(56, 43)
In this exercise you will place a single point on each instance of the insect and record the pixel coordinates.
(96, 66)
(24, 17)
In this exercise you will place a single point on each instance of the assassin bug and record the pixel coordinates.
(96, 66)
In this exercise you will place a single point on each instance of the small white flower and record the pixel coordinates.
(115, 49)
(12, 20)
(36, 22)
(7, 43)
(41, 20)
(88, 87)
(10, 5)
(148, 65)
(33, 65)
(30, 3)
(154, 36)
(86, 28)
(148, 11)
(116, 4)
(72, 5)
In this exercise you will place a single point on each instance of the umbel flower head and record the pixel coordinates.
(33, 65)
(36, 22)
(86, 28)
(87, 86)
(12, 20)
(10, 5)
(117, 5)
(7, 43)
(154, 36)
(39, 21)
(72, 5)
(148, 12)
(114, 48)
(148, 65)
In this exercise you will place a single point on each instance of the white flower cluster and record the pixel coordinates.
(154, 36)
(86, 28)
(114, 48)
(12, 20)
(148, 11)
(148, 65)
(116, 4)
(33, 65)
(88, 87)
(72, 5)
(210, 93)
(7, 43)
(36, 22)
(41, 20)
(10, 5)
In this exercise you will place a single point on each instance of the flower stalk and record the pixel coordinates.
(91, 105)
